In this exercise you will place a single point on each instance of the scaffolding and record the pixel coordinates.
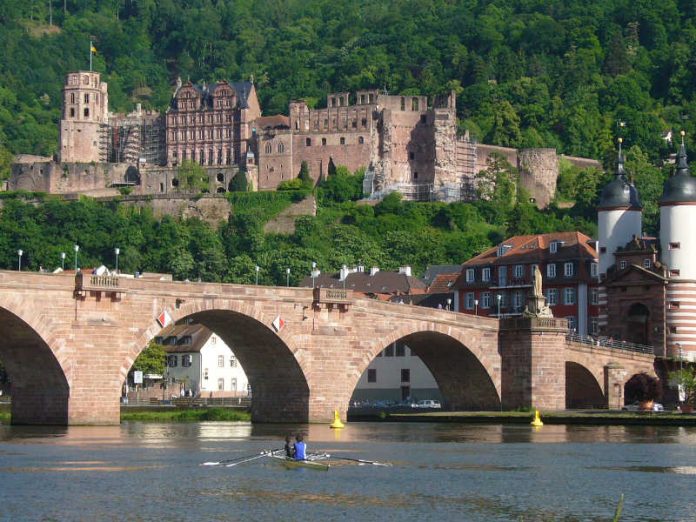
(137, 139)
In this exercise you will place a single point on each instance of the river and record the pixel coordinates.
(145, 471)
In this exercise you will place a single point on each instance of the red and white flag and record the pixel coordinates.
(278, 324)
(164, 319)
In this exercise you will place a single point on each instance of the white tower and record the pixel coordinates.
(678, 245)
(85, 108)
(620, 216)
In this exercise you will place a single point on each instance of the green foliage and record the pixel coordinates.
(192, 177)
(240, 183)
(187, 415)
(642, 387)
(151, 359)
(686, 378)
(342, 186)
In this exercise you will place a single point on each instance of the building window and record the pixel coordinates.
(221, 384)
(361, 140)
(389, 351)
(552, 296)
(594, 269)
(674, 246)
(572, 323)
(343, 140)
(622, 264)
(186, 360)
(594, 296)
(674, 305)
(405, 375)
(519, 271)
(594, 326)
(72, 97)
(371, 375)
(72, 112)
(673, 329)
(323, 142)
(308, 142)
(172, 361)
(486, 300)
(568, 269)
(469, 301)
(517, 299)
(400, 350)
(86, 98)
(86, 112)
(205, 374)
(674, 272)
(233, 384)
(469, 275)
(233, 361)
(268, 149)
(281, 148)
(553, 247)
(221, 361)
(486, 274)
(551, 270)
(569, 296)
(502, 275)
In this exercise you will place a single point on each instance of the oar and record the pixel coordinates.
(260, 456)
(363, 461)
(243, 457)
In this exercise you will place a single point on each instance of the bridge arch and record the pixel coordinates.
(468, 378)
(280, 392)
(38, 371)
(583, 389)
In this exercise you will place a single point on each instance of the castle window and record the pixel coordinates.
(414, 104)
(361, 140)
(415, 175)
(219, 157)
(72, 112)
(268, 148)
(343, 140)
(364, 122)
(323, 142)
(72, 97)
(281, 148)
(674, 246)
(371, 98)
(308, 142)
(86, 98)
(362, 99)
(86, 112)
(211, 155)
(403, 104)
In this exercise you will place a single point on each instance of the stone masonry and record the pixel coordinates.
(69, 343)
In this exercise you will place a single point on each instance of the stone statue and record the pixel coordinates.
(537, 282)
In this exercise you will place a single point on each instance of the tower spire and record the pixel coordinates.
(682, 165)
(620, 171)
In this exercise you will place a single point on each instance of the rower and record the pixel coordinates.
(300, 448)
(289, 448)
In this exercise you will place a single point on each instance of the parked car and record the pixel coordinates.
(635, 406)
(428, 403)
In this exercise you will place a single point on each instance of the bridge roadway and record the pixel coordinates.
(68, 343)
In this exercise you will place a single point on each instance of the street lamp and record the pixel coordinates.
(449, 303)
(476, 306)
(257, 268)
(62, 260)
(19, 253)
(287, 277)
(679, 347)
(117, 251)
(76, 248)
(498, 298)
(314, 272)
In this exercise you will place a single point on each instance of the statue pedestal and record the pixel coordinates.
(537, 307)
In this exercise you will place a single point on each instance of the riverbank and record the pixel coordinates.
(589, 417)
(170, 415)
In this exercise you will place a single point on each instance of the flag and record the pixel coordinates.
(278, 324)
(164, 319)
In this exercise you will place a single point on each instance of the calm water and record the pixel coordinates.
(142, 471)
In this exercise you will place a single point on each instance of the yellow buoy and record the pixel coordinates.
(336, 424)
(537, 420)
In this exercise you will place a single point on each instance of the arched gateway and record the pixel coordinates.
(69, 342)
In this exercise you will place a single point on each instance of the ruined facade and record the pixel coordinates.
(404, 143)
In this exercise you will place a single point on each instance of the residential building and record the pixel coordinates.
(375, 283)
(497, 282)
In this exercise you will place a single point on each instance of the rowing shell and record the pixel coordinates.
(294, 464)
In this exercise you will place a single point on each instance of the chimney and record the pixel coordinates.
(344, 273)
(406, 270)
(374, 270)
(360, 269)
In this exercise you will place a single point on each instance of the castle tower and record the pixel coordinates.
(678, 245)
(84, 120)
(620, 219)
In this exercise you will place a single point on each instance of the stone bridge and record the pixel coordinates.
(68, 343)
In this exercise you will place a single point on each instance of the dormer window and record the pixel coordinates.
(553, 247)
(469, 275)
(503, 249)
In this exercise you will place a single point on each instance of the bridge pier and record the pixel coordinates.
(533, 363)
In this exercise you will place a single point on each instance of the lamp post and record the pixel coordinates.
(449, 303)
(257, 268)
(117, 251)
(76, 248)
(19, 254)
(498, 298)
(679, 347)
(476, 306)
(62, 260)
(287, 277)
(314, 272)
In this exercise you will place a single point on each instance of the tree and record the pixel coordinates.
(239, 183)
(192, 177)
(151, 360)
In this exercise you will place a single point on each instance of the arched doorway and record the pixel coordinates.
(638, 324)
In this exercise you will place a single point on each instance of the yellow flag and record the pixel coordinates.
(94, 49)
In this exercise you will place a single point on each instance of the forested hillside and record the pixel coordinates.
(556, 73)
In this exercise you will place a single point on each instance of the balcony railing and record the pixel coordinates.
(610, 343)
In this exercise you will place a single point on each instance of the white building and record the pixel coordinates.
(199, 361)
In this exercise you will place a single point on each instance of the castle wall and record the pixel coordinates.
(538, 174)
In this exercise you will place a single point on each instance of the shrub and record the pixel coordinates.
(642, 387)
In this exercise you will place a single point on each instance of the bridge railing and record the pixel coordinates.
(96, 282)
(610, 343)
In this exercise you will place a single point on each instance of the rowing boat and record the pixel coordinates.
(291, 463)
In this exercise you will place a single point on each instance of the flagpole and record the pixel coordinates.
(90, 55)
